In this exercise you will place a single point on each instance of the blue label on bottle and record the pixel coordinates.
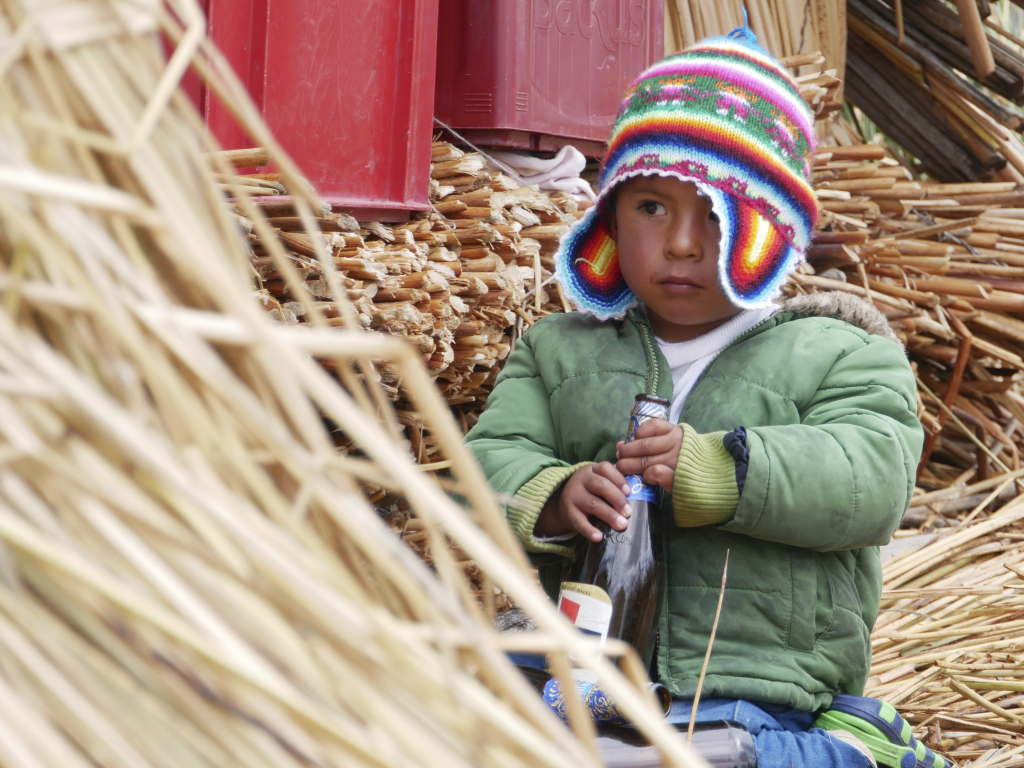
(639, 490)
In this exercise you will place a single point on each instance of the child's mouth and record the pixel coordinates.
(679, 285)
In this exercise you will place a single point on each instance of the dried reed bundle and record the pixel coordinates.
(914, 86)
(460, 282)
(946, 645)
(785, 29)
(190, 572)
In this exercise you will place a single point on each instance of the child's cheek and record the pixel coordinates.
(639, 247)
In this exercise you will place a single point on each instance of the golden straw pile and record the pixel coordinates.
(947, 645)
(190, 573)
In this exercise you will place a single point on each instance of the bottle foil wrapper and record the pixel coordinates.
(597, 702)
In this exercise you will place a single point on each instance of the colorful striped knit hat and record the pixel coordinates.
(725, 115)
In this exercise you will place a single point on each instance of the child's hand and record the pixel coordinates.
(653, 452)
(596, 490)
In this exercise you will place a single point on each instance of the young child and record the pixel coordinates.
(793, 439)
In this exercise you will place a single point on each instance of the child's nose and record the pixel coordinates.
(686, 239)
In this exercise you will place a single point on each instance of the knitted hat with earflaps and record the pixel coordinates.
(727, 116)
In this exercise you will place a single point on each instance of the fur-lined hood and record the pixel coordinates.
(845, 307)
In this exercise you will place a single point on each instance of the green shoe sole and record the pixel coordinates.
(878, 724)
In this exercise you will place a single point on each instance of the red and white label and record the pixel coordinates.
(588, 607)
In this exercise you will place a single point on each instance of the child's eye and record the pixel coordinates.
(713, 217)
(652, 208)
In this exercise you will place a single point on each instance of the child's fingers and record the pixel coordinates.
(637, 462)
(647, 446)
(586, 530)
(600, 495)
(602, 490)
(607, 469)
(635, 466)
(649, 429)
(660, 474)
(652, 428)
(641, 465)
(592, 507)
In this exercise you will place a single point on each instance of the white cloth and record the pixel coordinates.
(558, 173)
(689, 359)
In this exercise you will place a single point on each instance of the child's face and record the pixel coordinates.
(667, 236)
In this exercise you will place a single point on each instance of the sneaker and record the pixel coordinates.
(878, 724)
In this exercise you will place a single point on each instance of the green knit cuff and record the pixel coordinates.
(530, 500)
(704, 489)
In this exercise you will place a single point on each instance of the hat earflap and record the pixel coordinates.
(755, 260)
(587, 266)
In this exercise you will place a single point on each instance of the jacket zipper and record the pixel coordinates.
(652, 360)
(652, 671)
(652, 385)
(653, 376)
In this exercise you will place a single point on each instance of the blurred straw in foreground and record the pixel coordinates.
(190, 574)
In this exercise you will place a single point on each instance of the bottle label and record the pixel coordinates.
(588, 607)
(639, 490)
(601, 708)
(644, 410)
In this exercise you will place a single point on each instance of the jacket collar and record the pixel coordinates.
(834, 304)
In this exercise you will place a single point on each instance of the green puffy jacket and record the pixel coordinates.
(833, 439)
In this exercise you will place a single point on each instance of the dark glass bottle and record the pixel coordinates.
(611, 589)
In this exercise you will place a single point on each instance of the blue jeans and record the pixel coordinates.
(783, 736)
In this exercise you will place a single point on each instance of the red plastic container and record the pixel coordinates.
(537, 74)
(347, 86)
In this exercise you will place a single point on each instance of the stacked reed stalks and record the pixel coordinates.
(190, 573)
(785, 29)
(908, 72)
(946, 646)
(458, 282)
